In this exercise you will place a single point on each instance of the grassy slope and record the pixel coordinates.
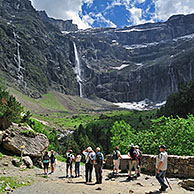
(61, 111)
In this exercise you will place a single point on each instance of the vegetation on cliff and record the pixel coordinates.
(180, 103)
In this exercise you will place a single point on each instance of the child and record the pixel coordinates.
(46, 162)
(77, 165)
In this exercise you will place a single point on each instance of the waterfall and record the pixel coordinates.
(77, 71)
(190, 71)
(17, 59)
(172, 75)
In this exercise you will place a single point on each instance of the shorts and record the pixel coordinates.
(116, 163)
(69, 165)
(46, 165)
(132, 164)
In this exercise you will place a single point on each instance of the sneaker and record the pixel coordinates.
(138, 175)
(163, 188)
(129, 178)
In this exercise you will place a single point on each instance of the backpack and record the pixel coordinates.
(115, 155)
(133, 154)
(46, 159)
(91, 158)
(69, 159)
(99, 158)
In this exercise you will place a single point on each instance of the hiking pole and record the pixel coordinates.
(168, 183)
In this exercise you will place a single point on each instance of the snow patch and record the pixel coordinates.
(141, 105)
(121, 67)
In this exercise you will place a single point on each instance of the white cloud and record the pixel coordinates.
(101, 19)
(63, 9)
(167, 8)
(136, 16)
(140, 1)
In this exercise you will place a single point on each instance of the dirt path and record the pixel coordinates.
(58, 184)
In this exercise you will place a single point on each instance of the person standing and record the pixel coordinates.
(116, 159)
(161, 167)
(98, 162)
(133, 162)
(89, 155)
(46, 162)
(69, 161)
(139, 161)
(52, 158)
(77, 165)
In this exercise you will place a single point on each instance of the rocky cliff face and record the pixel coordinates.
(62, 25)
(129, 64)
(34, 55)
(135, 63)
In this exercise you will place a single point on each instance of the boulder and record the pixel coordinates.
(16, 136)
(27, 161)
(1, 136)
(38, 162)
(187, 184)
(16, 162)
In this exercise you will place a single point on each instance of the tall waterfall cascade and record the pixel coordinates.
(77, 71)
(18, 61)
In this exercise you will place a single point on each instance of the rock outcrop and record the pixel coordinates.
(147, 61)
(16, 136)
(27, 161)
(187, 184)
(135, 63)
(62, 25)
(34, 55)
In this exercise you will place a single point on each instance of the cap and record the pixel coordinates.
(136, 146)
(89, 149)
(162, 146)
(131, 145)
(97, 149)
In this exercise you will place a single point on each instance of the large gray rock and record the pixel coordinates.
(16, 162)
(187, 184)
(1, 136)
(17, 136)
(27, 161)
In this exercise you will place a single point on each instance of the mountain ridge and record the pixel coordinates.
(134, 63)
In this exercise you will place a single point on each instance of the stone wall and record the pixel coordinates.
(178, 166)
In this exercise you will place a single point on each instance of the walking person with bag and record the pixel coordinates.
(98, 162)
(161, 167)
(89, 155)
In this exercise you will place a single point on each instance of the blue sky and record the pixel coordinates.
(114, 13)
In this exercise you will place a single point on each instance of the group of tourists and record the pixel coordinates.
(70, 158)
(135, 163)
(48, 159)
(95, 160)
(135, 160)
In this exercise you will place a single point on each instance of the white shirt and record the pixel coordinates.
(78, 158)
(89, 155)
(162, 157)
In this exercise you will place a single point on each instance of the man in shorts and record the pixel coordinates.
(116, 159)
